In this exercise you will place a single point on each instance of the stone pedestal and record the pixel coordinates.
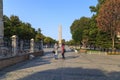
(32, 45)
(14, 45)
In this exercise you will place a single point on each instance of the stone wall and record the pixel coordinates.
(13, 60)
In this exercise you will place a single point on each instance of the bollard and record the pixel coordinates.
(14, 45)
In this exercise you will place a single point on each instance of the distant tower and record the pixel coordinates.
(60, 35)
(1, 22)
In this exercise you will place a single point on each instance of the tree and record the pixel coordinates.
(98, 37)
(97, 7)
(25, 31)
(80, 30)
(63, 41)
(108, 18)
(7, 27)
(93, 31)
(77, 35)
(70, 42)
(39, 35)
(49, 41)
(14, 26)
(39, 31)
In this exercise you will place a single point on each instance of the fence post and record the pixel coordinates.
(21, 45)
(32, 45)
(14, 45)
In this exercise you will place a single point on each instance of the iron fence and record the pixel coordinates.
(22, 47)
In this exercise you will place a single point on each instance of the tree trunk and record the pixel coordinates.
(113, 42)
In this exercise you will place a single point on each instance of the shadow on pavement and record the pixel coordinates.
(73, 74)
(60, 73)
(37, 61)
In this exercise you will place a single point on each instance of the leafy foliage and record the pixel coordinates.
(79, 29)
(108, 18)
(14, 26)
(104, 23)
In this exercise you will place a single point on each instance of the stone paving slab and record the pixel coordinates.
(74, 67)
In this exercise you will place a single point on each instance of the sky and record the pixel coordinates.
(48, 15)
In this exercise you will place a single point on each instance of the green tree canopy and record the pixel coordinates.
(80, 29)
(108, 18)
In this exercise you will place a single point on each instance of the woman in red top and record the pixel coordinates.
(63, 51)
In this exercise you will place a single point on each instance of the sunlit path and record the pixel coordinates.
(74, 67)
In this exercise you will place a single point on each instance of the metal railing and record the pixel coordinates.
(22, 47)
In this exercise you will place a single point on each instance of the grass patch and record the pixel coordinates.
(93, 50)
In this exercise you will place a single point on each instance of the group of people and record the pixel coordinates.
(56, 46)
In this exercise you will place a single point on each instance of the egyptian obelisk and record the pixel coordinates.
(60, 35)
(1, 22)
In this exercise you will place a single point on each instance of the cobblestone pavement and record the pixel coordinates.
(74, 67)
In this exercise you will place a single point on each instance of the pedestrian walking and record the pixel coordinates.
(63, 51)
(56, 51)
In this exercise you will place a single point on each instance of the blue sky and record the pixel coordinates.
(48, 15)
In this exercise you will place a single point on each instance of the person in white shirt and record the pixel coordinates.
(56, 51)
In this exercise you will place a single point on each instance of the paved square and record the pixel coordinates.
(74, 67)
